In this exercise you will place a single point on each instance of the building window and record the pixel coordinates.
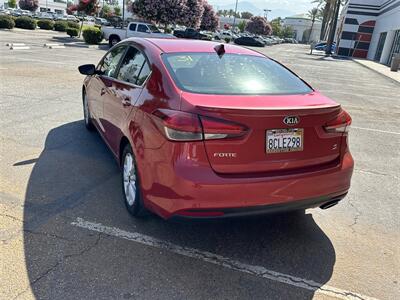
(381, 43)
(395, 46)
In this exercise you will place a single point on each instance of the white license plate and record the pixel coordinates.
(284, 140)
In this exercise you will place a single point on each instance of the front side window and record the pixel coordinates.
(142, 28)
(110, 62)
(133, 67)
(206, 73)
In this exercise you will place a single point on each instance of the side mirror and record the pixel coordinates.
(87, 69)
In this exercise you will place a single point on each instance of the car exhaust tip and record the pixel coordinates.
(329, 204)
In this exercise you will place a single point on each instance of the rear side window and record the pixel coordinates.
(110, 62)
(206, 73)
(132, 27)
(134, 68)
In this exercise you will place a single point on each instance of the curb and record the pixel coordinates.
(15, 44)
(83, 45)
(372, 69)
(20, 48)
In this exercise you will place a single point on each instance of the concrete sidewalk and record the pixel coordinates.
(379, 68)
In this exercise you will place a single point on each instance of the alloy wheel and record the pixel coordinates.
(129, 177)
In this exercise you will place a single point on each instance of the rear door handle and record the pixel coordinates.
(103, 91)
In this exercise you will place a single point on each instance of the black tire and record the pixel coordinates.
(87, 119)
(136, 208)
(113, 40)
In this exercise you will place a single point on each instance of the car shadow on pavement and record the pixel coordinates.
(77, 177)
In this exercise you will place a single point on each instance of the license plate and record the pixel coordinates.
(284, 140)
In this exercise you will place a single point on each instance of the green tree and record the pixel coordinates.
(276, 25)
(246, 15)
(12, 3)
(287, 32)
(117, 10)
(242, 26)
(105, 11)
(313, 14)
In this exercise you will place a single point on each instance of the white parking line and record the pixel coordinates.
(222, 261)
(375, 130)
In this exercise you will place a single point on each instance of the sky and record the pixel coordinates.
(285, 7)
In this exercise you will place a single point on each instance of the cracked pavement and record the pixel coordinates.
(52, 172)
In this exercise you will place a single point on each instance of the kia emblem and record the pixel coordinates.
(291, 120)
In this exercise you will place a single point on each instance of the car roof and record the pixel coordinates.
(182, 45)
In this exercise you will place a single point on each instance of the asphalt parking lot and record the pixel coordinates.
(65, 233)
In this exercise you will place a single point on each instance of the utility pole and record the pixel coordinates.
(266, 11)
(331, 37)
(234, 16)
(123, 13)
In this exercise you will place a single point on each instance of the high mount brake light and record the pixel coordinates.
(183, 126)
(341, 124)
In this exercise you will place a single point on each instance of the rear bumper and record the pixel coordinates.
(183, 186)
(258, 210)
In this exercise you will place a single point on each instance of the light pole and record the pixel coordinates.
(266, 11)
(234, 16)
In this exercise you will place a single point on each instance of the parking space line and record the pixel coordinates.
(222, 261)
(376, 130)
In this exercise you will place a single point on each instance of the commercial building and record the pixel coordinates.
(57, 6)
(370, 29)
(301, 25)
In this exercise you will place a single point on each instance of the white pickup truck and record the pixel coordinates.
(134, 29)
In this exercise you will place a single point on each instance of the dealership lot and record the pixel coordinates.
(65, 232)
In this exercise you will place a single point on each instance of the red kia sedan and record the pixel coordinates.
(205, 130)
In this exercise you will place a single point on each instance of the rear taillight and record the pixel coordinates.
(340, 124)
(220, 129)
(183, 126)
(179, 126)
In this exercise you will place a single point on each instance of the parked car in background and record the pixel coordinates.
(5, 12)
(102, 21)
(134, 29)
(190, 33)
(290, 40)
(90, 19)
(197, 134)
(321, 46)
(72, 18)
(60, 17)
(223, 35)
(45, 16)
(249, 41)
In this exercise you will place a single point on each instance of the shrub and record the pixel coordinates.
(6, 22)
(72, 32)
(60, 26)
(46, 24)
(92, 35)
(25, 23)
(73, 24)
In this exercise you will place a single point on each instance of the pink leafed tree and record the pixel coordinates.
(164, 12)
(259, 25)
(209, 20)
(31, 5)
(88, 7)
(192, 13)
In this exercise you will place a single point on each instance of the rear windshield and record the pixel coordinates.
(206, 73)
